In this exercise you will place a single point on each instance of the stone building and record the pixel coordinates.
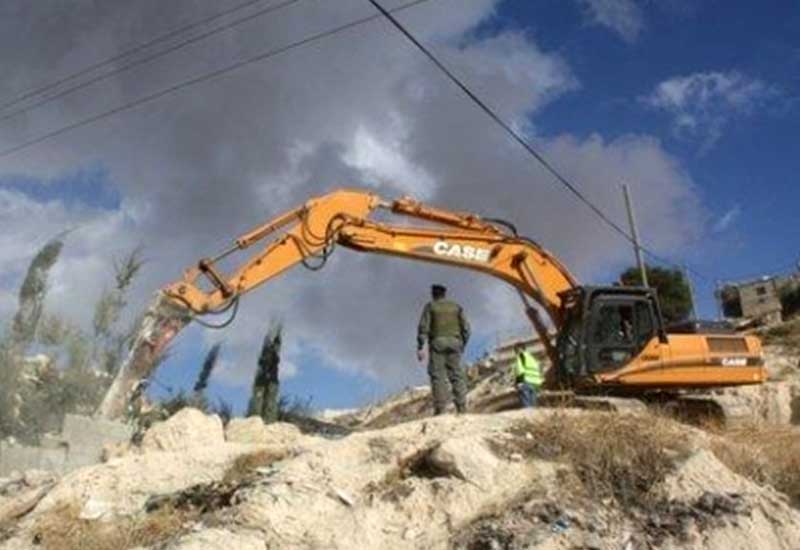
(758, 299)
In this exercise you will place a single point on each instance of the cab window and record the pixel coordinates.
(620, 330)
(645, 327)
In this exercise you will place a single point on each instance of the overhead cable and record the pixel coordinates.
(197, 80)
(516, 136)
(147, 59)
(122, 55)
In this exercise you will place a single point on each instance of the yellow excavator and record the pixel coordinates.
(611, 343)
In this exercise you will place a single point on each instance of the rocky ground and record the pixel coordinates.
(545, 479)
(520, 479)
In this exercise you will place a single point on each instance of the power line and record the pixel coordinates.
(147, 59)
(202, 78)
(136, 49)
(515, 136)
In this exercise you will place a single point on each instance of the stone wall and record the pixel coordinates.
(80, 444)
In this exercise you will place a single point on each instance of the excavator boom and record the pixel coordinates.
(342, 218)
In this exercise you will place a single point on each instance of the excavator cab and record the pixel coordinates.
(604, 329)
(614, 340)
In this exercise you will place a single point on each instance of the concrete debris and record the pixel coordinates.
(82, 441)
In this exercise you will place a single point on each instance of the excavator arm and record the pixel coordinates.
(308, 234)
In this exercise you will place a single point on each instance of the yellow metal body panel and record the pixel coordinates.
(687, 361)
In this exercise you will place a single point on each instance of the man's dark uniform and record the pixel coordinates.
(444, 326)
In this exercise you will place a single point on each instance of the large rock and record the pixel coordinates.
(252, 430)
(186, 430)
(122, 486)
(465, 458)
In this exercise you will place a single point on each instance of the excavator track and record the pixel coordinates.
(720, 410)
(723, 410)
(593, 402)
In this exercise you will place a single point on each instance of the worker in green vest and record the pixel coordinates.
(444, 327)
(527, 376)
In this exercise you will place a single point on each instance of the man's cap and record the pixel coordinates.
(438, 288)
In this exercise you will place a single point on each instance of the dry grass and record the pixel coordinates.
(205, 499)
(619, 456)
(63, 529)
(766, 454)
(394, 488)
(244, 466)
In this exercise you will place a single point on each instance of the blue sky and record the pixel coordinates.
(701, 97)
(750, 172)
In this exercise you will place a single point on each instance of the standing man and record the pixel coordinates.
(445, 328)
(527, 376)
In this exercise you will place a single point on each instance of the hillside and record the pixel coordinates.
(547, 478)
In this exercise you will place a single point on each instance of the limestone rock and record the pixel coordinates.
(253, 431)
(124, 485)
(467, 459)
(188, 429)
(438, 483)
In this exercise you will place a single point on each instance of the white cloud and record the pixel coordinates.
(624, 17)
(197, 169)
(702, 104)
(385, 163)
(727, 219)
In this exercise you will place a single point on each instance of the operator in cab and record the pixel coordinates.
(527, 376)
(446, 330)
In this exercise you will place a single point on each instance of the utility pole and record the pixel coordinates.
(688, 280)
(635, 235)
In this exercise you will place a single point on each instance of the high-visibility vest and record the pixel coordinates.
(528, 368)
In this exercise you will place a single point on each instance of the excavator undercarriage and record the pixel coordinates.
(717, 408)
